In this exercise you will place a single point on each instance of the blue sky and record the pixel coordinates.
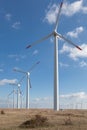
(23, 22)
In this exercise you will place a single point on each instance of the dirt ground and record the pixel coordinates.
(11, 119)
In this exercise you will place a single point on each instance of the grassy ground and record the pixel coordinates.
(61, 120)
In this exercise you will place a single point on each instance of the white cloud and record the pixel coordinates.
(83, 64)
(16, 25)
(17, 57)
(80, 95)
(8, 17)
(7, 81)
(68, 9)
(75, 32)
(65, 48)
(51, 14)
(45, 102)
(74, 53)
(74, 101)
(35, 52)
(63, 64)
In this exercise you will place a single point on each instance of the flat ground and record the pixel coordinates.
(62, 120)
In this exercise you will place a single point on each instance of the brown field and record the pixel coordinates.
(62, 120)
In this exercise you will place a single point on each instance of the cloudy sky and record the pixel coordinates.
(23, 22)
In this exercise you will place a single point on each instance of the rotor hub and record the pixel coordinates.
(28, 73)
(55, 33)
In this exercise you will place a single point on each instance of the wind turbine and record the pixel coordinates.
(13, 92)
(56, 36)
(18, 93)
(28, 82)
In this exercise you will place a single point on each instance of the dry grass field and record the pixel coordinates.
(42, 119)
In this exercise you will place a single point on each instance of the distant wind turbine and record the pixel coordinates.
(56, 36)
(28, 82)
(18, 93)
(13, 92)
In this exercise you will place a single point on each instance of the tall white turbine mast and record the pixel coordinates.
(21, 97)
(28, 82)
(56, 36)
(18, 93)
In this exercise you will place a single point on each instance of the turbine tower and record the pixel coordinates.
(56, 36)
(27, 74)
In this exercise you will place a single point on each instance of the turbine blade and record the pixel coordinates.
(22, 78)
(64, 38)
(39, 41)
(15, 84)
(33, 66)
(57, 19)
(10, 93)
(17, 70)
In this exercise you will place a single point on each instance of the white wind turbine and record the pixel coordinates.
(27, 73)
(18, 93)
(56, 36)
(13, 92)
